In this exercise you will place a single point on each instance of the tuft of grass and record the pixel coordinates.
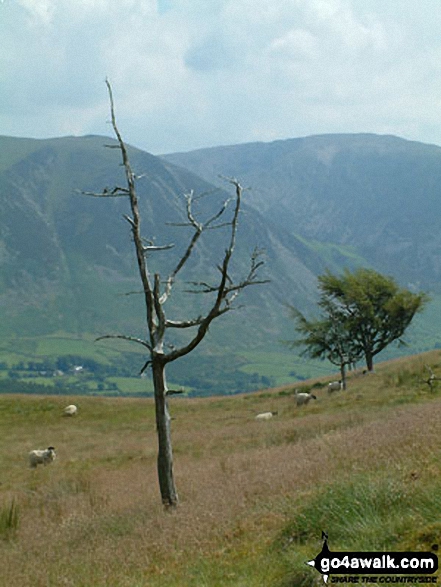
(9, 520)
(373, 513)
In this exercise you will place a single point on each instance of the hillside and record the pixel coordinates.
(66, 258)
(66, 261)
(377, 195)
(364, 465)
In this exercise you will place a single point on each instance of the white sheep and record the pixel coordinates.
(70, 410)
(335, 386)
(303, 398)
(266, 416)
(41, 457)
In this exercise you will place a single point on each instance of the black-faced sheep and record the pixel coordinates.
(41, 457)
(335, 386)
(265, 416)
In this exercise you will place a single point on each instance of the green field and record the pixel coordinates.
(364, 465)
(18, 349)
(284, 367)
(245, 371)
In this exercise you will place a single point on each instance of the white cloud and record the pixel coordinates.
(38, 11)
(296, 44)
(189, 73)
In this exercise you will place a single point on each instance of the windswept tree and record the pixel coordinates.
(157, 290)
(326, 337)
(375, 309)
(361, 314)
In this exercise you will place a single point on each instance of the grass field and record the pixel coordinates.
(363, 465)
(24, 349)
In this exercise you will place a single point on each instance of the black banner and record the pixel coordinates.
(373, 563)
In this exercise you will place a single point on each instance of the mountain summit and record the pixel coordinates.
(379, 195)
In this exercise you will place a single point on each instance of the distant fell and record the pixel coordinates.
(316, 203)
(66, 258)
(378, 194)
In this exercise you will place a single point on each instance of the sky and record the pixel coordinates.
(188, 74)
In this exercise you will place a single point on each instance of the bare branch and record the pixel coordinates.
(205, 287)
(235, 182)
(128, 338)
(174, 391)
(151, 247)
(181, 263)
(226, 274)
(251, 277)
(220, 305)
(130, 293)
(158, 307)
(221, 225)
(135, 223)
(116, 192)
(129, 220)
(178, 224)
(191, 218)
(145, 366)
(207, 193)
(184, 323)
(218, 215)
(199, 227)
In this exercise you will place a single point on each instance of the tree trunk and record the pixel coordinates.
(165, 453)
(343, 375)
(369, 361)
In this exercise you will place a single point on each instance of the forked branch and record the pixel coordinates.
(198, 228)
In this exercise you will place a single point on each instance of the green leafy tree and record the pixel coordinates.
(374, 310)
(361, 313)
(326, 337)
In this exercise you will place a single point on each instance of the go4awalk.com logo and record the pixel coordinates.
(361, 567)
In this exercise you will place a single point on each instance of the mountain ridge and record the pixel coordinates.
(57, 242)
(66, 262)
(352, 190)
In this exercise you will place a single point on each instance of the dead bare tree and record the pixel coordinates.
(156, 292)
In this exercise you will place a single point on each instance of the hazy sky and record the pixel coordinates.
(196, 73)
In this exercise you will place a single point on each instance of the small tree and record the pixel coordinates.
(326, 337)
(157, 291)
(364, 312)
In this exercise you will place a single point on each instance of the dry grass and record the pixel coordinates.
(250, 511)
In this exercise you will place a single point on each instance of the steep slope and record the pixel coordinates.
(377, 194)
(66, 259)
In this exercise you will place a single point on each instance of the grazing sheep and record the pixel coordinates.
(70, 410)
(335, 386)
(266, 416)
(41, 457)
(303, 398)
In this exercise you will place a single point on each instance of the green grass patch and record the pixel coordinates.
(132, 384)
(9, 520)
(373, 512)
(283, 368)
